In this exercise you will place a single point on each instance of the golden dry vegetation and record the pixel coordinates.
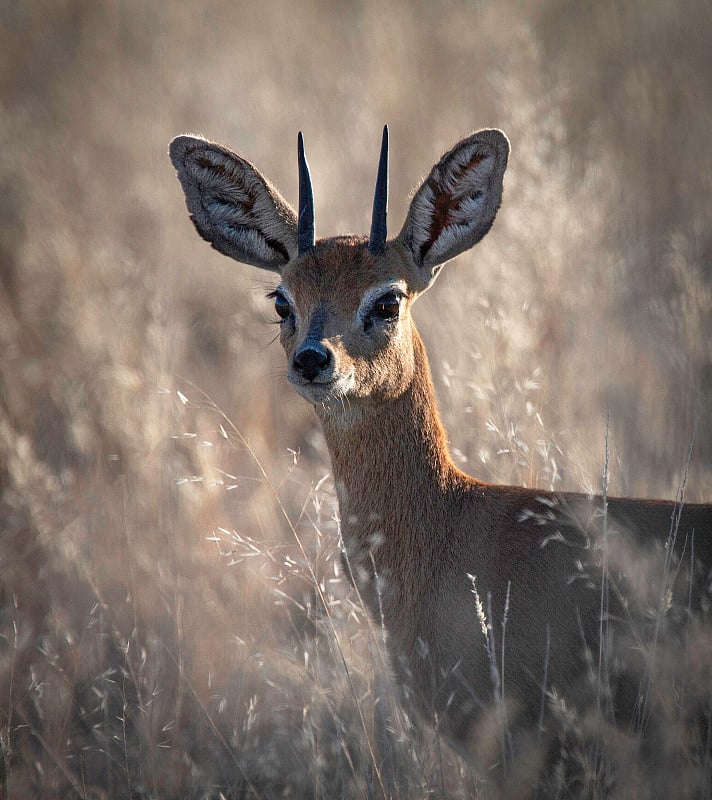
(172, 619)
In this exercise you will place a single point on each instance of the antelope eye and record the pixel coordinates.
(281, 306)
(387, 307)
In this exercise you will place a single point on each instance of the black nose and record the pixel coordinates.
(311, 361)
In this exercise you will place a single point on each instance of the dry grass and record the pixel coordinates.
(173, 621)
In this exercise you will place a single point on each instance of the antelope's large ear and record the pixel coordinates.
(232, 206)
(457, 204)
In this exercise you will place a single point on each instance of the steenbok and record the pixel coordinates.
(500, 603)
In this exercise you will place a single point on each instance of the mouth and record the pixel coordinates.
(322, 392)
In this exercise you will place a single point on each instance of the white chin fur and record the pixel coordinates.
(334, 392)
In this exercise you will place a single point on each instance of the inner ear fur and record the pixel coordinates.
(457, 203)
(233, 206)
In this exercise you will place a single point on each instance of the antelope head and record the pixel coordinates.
(344, 302)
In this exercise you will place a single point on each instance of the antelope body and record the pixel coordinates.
(415, 527)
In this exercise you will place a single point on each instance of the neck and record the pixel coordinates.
(391, 466)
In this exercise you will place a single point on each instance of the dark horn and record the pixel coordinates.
(305, 226)
(379, 230)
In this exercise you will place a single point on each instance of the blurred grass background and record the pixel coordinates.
(161, 633)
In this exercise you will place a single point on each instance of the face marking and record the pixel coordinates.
(316, 325)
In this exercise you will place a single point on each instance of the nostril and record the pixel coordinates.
(311, 361)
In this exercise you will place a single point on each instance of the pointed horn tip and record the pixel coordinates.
(384, 143)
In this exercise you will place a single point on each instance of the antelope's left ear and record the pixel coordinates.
(233, 206)
(457, 203)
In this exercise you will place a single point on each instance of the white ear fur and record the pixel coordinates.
(232, 205)
(457, 203)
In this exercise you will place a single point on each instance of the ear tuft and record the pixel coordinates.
(457, 203)
(232, 205)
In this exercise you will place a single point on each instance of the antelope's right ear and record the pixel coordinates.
(457, 203)
(232, 206)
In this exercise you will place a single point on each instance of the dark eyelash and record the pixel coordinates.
(271, 295)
